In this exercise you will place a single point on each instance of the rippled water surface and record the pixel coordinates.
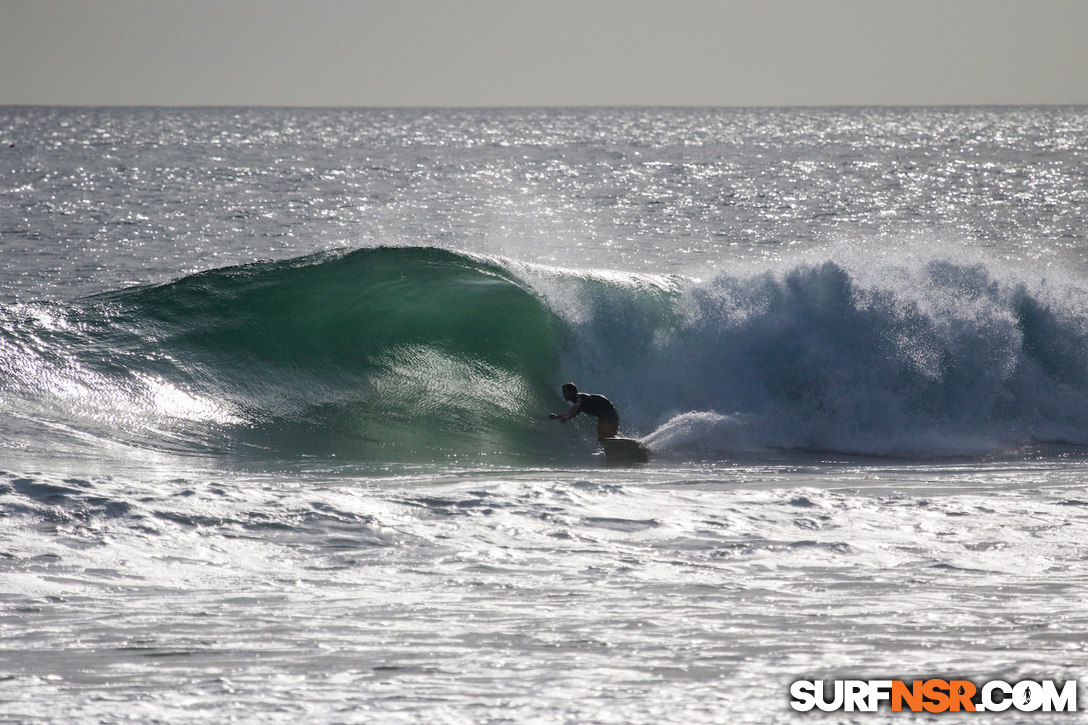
(274, 389)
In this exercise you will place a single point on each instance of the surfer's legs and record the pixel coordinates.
(607, 429)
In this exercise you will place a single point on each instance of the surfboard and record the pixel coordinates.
(624, 451)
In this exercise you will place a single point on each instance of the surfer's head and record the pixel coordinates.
(569, 391)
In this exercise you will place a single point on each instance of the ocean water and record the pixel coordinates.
(274, 387)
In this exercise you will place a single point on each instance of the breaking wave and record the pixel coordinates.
(426, 354)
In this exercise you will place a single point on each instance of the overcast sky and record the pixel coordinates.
(543, 52)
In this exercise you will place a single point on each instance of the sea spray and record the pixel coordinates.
(944, 359)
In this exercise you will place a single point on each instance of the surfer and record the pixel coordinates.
(608, 420)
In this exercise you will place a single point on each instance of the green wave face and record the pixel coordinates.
(390, 353)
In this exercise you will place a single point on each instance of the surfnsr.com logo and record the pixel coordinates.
(934, 695)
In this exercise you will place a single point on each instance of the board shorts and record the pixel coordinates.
(607, 428)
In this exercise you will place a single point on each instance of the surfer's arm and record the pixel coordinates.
(575, 410)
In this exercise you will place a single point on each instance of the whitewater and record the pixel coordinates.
(275, 385)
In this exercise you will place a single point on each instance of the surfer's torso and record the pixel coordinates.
(597, 405)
